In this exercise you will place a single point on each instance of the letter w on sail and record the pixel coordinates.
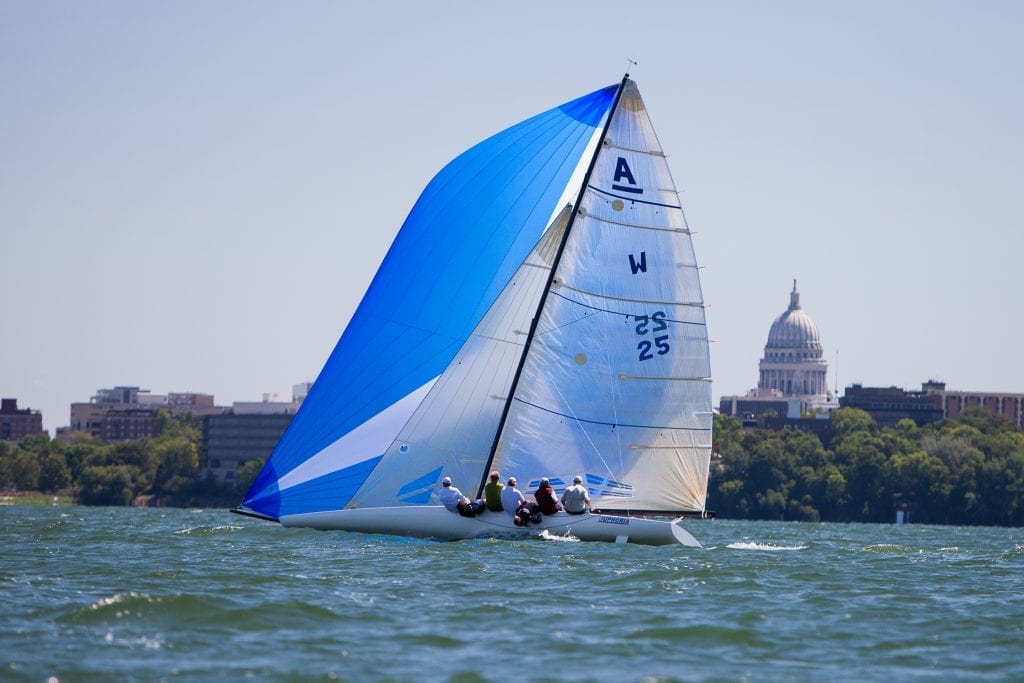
(637, 266)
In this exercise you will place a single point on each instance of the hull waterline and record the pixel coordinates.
(435, 522)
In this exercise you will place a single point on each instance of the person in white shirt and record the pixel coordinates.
(511, 497)
(514, 503)
(575, 500)
(454, 500)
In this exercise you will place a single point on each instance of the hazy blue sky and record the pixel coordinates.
(195, 195)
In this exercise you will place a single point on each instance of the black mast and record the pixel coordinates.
(547, 287)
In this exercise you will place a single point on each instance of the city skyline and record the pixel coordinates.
(194, 198)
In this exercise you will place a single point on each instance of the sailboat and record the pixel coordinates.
(539, 313)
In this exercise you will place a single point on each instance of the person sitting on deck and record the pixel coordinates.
(455, 501)
(511, 497)
(575, 500)
(492, 492)
(514, 503)
(545, 496)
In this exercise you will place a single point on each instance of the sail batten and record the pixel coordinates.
(608, 297)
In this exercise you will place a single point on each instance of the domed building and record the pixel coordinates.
(793, 363)
(792, 378)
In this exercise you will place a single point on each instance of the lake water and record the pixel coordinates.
(116, 594)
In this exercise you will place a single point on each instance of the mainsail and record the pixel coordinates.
(616, 381)
(498, 333)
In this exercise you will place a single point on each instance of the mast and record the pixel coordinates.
(547, 287)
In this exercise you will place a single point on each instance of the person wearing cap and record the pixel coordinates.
(575, 500)
(545, 496)
(454, 501)
(492, 492)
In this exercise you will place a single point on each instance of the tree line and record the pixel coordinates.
(964, 471)
(164, 470)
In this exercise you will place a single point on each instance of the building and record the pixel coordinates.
(124, 413)
(199, 405)
(128, 424)
(118, 396)
(300, 391)
(16, 424)
(888, 405)
(250, 431)
(793, 362)
(753, 409)
(1010, 406)
(791, 375)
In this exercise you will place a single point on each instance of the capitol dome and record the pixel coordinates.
(793, 364)
(794, 329)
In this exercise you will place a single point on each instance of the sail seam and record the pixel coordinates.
(607, 424)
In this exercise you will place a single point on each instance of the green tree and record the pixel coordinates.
(80, 451)
(35, 443)
(24, 470)
(846, 421)
(7, 453)
(54, 474)
(922, 479)
(107, 485)
(177, 464)
(246, 474)
(860, 456)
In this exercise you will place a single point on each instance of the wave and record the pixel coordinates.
(749, 545)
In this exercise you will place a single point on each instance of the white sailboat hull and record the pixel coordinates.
(434, 521)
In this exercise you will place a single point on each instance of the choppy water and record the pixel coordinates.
(101, 594)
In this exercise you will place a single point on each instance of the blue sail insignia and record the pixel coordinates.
(417, 491)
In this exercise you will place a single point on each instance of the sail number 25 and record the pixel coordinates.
(652, 324)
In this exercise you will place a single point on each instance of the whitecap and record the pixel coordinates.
(746, 545)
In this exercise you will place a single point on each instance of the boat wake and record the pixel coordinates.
(548, 536)
(747, 545)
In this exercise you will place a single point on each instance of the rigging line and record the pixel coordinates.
(541, 333)
(562, 285)
(607, 424)
(551, 277)
(632, 199)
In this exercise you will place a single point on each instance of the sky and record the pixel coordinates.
(194, 196)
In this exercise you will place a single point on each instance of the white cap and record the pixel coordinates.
(447, 481)
(577, 479)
